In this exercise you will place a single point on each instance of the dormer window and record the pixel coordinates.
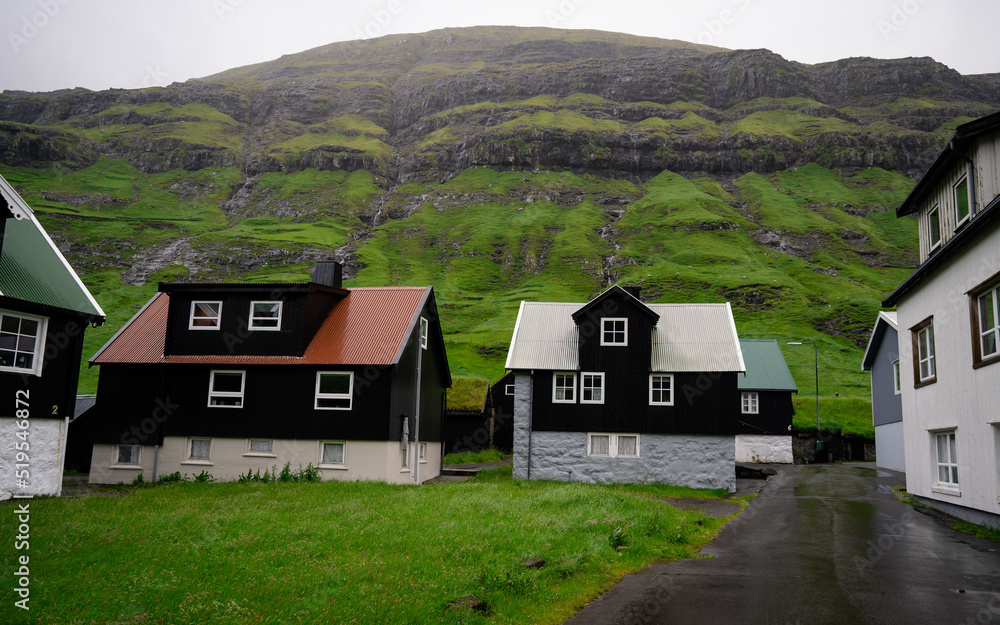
(205, 316)
(265, 316)
(962, 201)
(614, 332)
(934, 226)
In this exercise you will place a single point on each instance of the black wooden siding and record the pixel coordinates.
(774, 414)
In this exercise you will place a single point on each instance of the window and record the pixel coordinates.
(934, 227)
(509, 389)
(564, 388)
(896, 380)
(986, 323)
(205, 316)
(261, 446)
(423, 452)
(128, 454)
(613, 445)
(334, 454)
(225, 389)
(749, 401)
(333, 390)
(947, 458)
(962, 201)
(265, 315)
(614, 332)
(924, 368)
(423, 333)
(661, 389)
(200, 449)
(405, 451)
(22, 342)
(591, 388)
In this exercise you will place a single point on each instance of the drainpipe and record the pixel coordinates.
(971, 177)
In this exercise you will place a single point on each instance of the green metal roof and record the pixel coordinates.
(33, 269)
(766, 368)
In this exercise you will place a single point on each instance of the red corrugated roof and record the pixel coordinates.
(367, 327)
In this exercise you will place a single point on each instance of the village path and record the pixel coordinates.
(820, 544)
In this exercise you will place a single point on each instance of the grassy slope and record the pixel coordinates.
(334, 552)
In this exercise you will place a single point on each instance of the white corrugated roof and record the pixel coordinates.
(688, 337)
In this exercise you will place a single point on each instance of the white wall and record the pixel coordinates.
(46, 450)
(963, 398)
(764, 448)
(889, 453)
(364, 460)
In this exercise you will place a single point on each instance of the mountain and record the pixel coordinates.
(501, 164)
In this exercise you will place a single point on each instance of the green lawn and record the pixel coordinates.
(343, 552)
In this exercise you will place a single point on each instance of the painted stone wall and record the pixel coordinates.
(522, 423)
(764, 448)
(46, 448)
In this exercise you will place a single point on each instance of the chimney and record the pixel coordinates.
(633, 291)
(328, 273)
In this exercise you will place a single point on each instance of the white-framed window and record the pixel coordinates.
(591, 388)
(263, 446)
(405, 455)
(602, 445)
(423, 452)
(508, 389)
(22, 342)
(934, 226)
(749, 402)
(334, 390)
(614, 331)
(926, 368)
(962, 200)
(947, 458)
(988, 305)
(661, 389)
(265, 316)
(897, 381)
(128, 455)
(225, 389)
(424, 329)
(564, 387)
(333, 454)
(200, 449)
(205, 316)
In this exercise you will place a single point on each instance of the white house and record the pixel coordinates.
(949, 331)
(882, 359)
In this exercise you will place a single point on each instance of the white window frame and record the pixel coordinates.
(584, 388)
(424, 330)
(254, 319)
(404, 451)
(897, 379)
(934, 214)
(749, 402)
(613, 445)
(189, 451)
(217, 317)
(258, 453)
(332, 465)
(555, 387)
(929, 358)
(508, 389)
(213, 394)
(117, 457)
(949, 463)
(605, 330)
(38, 354)
(993, 294)
(423, 453)
(349, 395)
(968, 200)
(669, 402)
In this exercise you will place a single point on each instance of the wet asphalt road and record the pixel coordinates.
(819, 544)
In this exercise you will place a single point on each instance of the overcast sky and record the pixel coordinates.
(55, 44)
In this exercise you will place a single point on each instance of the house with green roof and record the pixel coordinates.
(764, 420)
(44, 310)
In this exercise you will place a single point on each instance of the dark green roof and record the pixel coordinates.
(31, 267)
(766, 368)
